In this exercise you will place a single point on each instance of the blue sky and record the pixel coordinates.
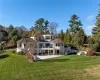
(26, 12)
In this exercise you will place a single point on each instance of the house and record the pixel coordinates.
(41, 44)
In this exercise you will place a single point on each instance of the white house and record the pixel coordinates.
(41, 44)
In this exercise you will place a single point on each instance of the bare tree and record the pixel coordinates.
(52, 27)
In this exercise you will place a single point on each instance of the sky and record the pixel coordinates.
(26, 12)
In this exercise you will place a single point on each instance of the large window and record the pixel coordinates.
(56, 44)
(40, 45)
(47, 44)
(24, 45)
(51, 45)
(59, 44)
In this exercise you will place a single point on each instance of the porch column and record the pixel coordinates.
(18, 45)
(37, 49)
(54, 52)
(53, 48)
(48, 52)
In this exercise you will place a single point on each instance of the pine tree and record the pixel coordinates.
(96, 30)
(67, 37)
(79, 38)
(61, 35)
(41, 24)
(75, 24)
(75, 29)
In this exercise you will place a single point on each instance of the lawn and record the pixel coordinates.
(72, 67)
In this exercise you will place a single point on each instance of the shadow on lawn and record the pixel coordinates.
(97, 54)
(3, 56)
(1, 52)
(55, 60)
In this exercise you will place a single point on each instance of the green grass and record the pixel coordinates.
(17, 67)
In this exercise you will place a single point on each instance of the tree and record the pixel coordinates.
(75, 24)
(79, 38)
(76, 30)
(13, 33)
(10, 28)
(46, 22)
(3, 35)
(67, 37)
(1, 27)
(91, 42)
(41, 24)
(52, 27)
(22, 31)
(61, 35)
(32, 31)
(96, 30)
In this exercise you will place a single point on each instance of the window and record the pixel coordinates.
(61, 44)
(51, 45)
(24, 45)
(47, 37)
(58, 51)
(51, 51)
(47, 45)
(40, 45)
(19, 45)
(56, 44)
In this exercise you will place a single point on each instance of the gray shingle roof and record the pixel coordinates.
(25, 40)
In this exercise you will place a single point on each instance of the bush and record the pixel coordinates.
(11, 44)
(21, 53)
(95, 46)
(13, 51)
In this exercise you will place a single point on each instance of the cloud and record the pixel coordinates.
(90, 18)
(88, 29)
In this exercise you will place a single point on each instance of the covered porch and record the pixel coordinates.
(48, 52)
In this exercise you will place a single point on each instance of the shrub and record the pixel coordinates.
(21, 53)
(11, 44)
(95, 46)
(13, 51)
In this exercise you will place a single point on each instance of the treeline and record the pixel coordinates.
(74, 35)
(11, 34)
